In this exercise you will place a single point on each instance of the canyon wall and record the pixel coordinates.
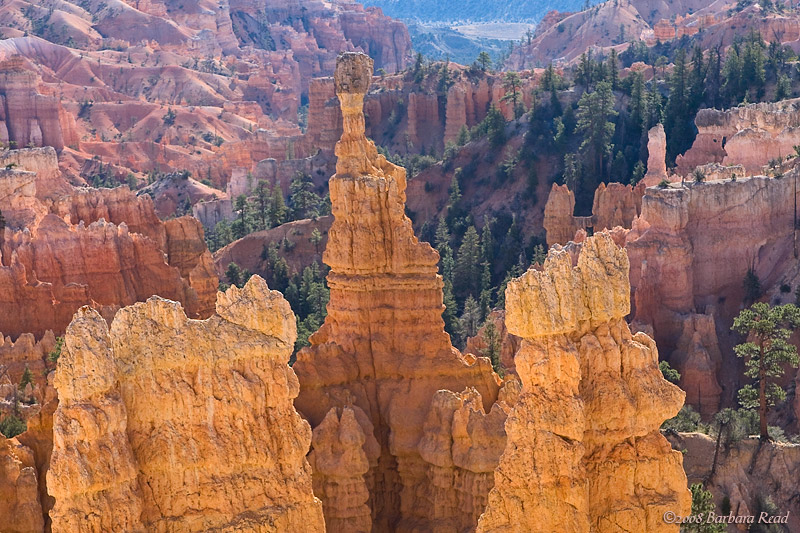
(584, 449)
(100, 247)
(157, 428)
(690, 251)
(750, 135)
(614, 205)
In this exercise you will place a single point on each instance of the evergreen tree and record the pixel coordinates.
(732, 76)
(637, 108)
(277, 207)
(467, 272)
(702, 505)
(243, 224)
(491, 338)
(484, 61)
(753, 73)
(677, 116)
(613, 70)
(304, 202)
(654, 107)
(262, 203)
(638, 173)
(697, 80)
(713, 88)
(595, 111)
(512, 84)
(27, 377)
(767, 352)
(783, 88)
(470, 318)
(463, 136)
(495, 127)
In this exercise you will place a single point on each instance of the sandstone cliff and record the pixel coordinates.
(100, 247)
(160, 428)
(614, 205)
(690, 251)
(750, 136)
(746, 473)
(584, 450)
(383, 351)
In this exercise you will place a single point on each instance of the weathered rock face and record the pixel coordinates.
(383, 350)
(19, 499)
(159, 395)
(27, 117)
(614, 205)
(750, 136)
(746, 471)
(682, 259)
(656, 156)
(584, 450)
(105, 248)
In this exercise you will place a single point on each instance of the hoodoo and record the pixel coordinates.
(382, 350)
(584, 451)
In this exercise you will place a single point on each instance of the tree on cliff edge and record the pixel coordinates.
(766, 353)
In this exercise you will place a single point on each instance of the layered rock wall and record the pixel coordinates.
(751, 136)
(167, 423)
(584, 449)
(614, 205)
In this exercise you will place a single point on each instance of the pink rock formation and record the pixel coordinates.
(751, 136)
(106, 248)
(614, 205)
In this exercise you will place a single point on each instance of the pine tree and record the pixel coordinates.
(702, 505)
(767, 353)
(27, 377)
(484, 61)
(491, 338)
(697, 80)
(753, 73)
(783, 88)
(595, 109)
(512, 84)
(654, 107)
(463, 136)
(467, 272)
(613, 70)
(713, 89)
(277, 207)
(676, 116)
(304, 202)
(732, 76)
(243, 224)
(262, 201)
(470, 318)
(638, 104)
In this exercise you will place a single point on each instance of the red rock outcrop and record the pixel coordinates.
(584, 449)
(105, 248)
(751, 136)
(745, 472)
(223, 392)
(382, 348)
(681, 252)
(614, 205)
